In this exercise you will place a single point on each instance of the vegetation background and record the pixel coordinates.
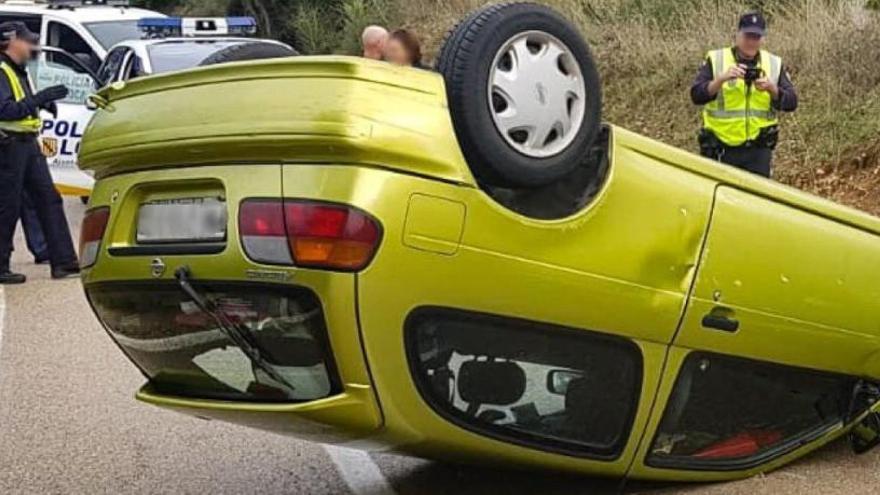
(648, 52)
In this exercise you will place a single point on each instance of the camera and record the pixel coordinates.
(753, 74)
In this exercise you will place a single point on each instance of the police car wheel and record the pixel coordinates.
(248, 51)
(524, 94)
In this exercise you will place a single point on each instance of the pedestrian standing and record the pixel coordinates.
(23, 168)
(742, 89)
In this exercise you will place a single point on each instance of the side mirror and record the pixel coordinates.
(865, 435)
(558, 380)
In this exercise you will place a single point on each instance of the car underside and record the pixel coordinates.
(331, 268)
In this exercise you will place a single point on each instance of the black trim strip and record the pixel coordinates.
(168, 249)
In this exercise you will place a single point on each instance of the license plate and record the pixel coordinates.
(182, 220)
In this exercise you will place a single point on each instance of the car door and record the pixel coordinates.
(580, 304)
(61, 134)
(783, 319)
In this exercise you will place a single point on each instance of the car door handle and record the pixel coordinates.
(720, 319)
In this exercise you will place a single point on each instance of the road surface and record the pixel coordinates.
(69, 424)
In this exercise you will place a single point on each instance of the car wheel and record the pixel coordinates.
(249, 51)
(524, 94)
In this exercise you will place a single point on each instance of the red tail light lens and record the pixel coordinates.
(313, 234)
(331, 236)
(92, 232)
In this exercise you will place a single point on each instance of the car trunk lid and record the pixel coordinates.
(306, 109)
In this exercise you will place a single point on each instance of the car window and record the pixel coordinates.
(178, 55)
(64, 37)
(33, 22)
(538, 385)
(111, 66)
(113, 32)
(732, 413)
(53, 68)
(185, 354)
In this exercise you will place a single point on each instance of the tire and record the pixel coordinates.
(248, 51)
(521, 153)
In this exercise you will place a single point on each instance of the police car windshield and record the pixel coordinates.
(113, 32)
(184, 54)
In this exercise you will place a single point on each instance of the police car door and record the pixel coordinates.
(73, 65)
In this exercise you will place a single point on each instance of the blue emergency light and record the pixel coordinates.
(163, 27)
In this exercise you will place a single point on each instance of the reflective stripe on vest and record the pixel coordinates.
(738, 114)
(28, 124)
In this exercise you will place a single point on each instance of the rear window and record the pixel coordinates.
(185, 352)
(179, 55)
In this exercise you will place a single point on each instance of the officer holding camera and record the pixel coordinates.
(742, 89)
(23, 167)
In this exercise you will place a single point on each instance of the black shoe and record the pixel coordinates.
(41, 261)
(9, 278)
(65, 271)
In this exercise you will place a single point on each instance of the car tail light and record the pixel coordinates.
(92, 232)
(309, 234)
(262, 230)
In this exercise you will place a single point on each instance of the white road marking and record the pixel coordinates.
(359, 472)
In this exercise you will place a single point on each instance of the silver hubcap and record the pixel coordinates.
(537, 94)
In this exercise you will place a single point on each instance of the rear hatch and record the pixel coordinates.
(300, 110)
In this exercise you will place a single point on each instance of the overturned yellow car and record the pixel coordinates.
(467, 266)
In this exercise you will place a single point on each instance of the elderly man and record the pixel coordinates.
(742, 88)
(373, 40)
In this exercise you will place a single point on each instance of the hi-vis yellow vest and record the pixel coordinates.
(28, 124)
(738, 113)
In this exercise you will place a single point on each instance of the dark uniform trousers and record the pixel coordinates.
(33, 232)
(755, 159)
(23, 169)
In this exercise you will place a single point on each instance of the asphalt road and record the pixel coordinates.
(69, 424)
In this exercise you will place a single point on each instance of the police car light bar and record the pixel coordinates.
(161, 27)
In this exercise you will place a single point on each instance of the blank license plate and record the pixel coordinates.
(182, 220)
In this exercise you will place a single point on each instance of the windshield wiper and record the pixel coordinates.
(234, 331)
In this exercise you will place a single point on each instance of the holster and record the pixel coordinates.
(768, 138)
(710, 145)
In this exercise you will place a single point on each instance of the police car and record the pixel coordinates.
(77, 36)
(173, 43)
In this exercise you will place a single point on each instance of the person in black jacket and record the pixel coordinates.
(23, 167)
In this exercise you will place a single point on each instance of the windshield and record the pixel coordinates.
(111, 33)
(178, 55)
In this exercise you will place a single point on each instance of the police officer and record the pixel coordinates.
(742, 88)
(23, 168)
